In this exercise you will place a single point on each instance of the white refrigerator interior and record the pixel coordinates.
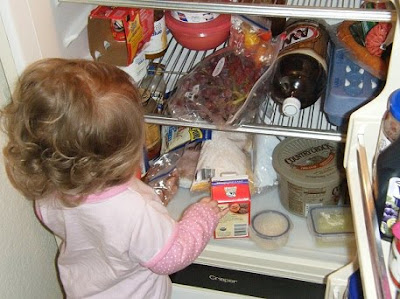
(52, 28)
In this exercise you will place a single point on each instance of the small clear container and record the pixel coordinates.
(270, 229)
(331, 224)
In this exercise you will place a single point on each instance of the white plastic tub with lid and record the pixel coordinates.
(309, 173)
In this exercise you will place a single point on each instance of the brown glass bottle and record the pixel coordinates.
(300, 71)
(297, 77)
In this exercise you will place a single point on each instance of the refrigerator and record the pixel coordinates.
(58, 28)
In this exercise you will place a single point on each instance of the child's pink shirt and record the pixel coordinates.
(122, 243)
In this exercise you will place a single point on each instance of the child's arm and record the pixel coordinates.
(189, 238)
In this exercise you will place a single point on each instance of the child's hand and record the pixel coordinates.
(214, 206)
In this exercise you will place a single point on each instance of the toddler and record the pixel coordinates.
(76, 134)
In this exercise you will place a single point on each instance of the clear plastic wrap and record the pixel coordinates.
(259, 93)
(216, 89)
(225, 154)
(264, 173)
(187, 164)
(251, 36)
(163, 176)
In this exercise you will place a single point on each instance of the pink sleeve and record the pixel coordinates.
(190, 237)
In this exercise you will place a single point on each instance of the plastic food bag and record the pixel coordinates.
(187, 164)
(264, 173)
(163, 176)
(251, 36)
(259, 93)
(215, 89)
(225, 154)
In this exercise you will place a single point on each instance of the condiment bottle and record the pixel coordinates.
(390, 126)
(386, 186)
(394, 256)
(157, 46)
(152, 89)
(300, 71)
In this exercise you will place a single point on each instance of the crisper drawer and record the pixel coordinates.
(180, 291)
(246, 283)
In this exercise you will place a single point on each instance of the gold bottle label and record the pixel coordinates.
(306, 37)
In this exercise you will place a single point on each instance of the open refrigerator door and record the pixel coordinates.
(360, 148)
(337, 285)
(299, 260)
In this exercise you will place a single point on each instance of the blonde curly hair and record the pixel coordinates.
(75, 127)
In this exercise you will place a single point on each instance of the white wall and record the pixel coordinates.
(27, 262)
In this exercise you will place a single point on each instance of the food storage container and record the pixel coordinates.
(199, 36)
(309, 173)
(270, 229)
(331, 224)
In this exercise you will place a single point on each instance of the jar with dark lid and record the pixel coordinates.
(390, 128)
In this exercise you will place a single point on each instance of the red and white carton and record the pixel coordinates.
(232, 192)
(117, 34)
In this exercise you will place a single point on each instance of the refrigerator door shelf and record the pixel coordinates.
(363, 128)
(338, 282)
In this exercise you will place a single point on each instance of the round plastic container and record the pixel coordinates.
(200, 36)
(308, 174)
(270, 229)
(193, 17)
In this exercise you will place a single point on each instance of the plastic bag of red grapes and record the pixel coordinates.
(216, 89)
